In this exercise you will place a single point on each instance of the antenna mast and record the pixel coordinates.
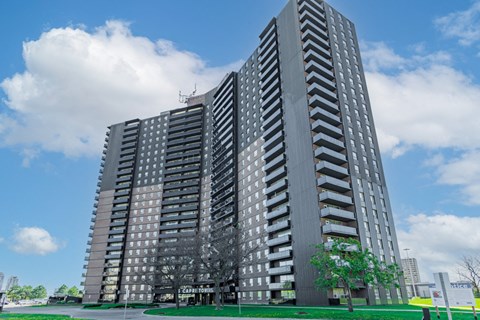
(183, 98)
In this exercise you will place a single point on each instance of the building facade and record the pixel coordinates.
(285, 148)
(410, 270)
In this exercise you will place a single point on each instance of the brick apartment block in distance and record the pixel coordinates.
(286, 147)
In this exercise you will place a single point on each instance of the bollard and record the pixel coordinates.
(426, 314)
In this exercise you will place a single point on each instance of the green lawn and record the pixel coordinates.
(35, 316)
(402, 312)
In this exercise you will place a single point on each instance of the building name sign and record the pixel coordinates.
(196, 290)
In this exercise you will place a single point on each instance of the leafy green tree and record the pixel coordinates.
(26, 292)
(39, 292)
(62, 291)
(343, 263)
(15, 293)
(74, 292)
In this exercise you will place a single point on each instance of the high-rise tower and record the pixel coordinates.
(285, 148)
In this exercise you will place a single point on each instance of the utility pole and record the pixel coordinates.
(411, 273)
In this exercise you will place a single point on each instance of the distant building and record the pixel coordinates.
(410, 269)
(12, 281)
(2, 276)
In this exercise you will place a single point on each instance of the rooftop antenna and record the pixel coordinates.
(183, 98)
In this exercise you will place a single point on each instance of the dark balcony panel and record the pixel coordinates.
(274, 152)
(331, 169)
(323, 140)
(320, 126)
(313, 66)
(279, 241)
(280, 270)
(333, 184)
(339, 230)
(180, 209)
(321, 114)
(316, 44)
(280, 212)
(337, 214)
(329, 155)
(316, 88)
(276, 127)
(179, 217)
(281, 255)
(311, 55)
(317, 101)
(276, 175)
(279, 226)
(275, 163)
(273, 141)
(335, 199)
(277, 200)
(277, 187)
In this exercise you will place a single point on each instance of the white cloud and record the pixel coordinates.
(77, 83)
(463, 171)
(439, 241)
(432, 107)
(464, 25)
(421, 102)
(34, 240)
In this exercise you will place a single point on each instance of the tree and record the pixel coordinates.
(343, 263)
(222, 254)
(469, 269)
(74, 292)
(62, 291)
(39, 292)
(15, 293)
(177, 264)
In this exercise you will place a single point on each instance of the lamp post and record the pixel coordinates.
(411, 273)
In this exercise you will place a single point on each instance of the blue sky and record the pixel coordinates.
(66, 73)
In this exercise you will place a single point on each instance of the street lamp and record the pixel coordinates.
(411, 273)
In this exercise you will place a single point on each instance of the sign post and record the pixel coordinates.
(446, 294)
(127, 292)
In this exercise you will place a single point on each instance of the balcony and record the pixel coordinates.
(320, 114)
(323, 140)
(333, 184)
(276, 175)
(318, 101)
(278, 241)
(313, 66)
(337, 214)
(278, 226)
(280, 270)
(273, 141)
(320, 126)
(319, 28)
(283, 211)
(277, 200)
(314, 44)
(280, 286)
(281, 255)
(329, 155)
(276, 127)
(276, 187)
(331, 169)
(339, 230)
(274, 152)
(312, 55)
(335, 199)
(275, 163)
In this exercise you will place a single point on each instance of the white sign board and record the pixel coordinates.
(459, 294)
